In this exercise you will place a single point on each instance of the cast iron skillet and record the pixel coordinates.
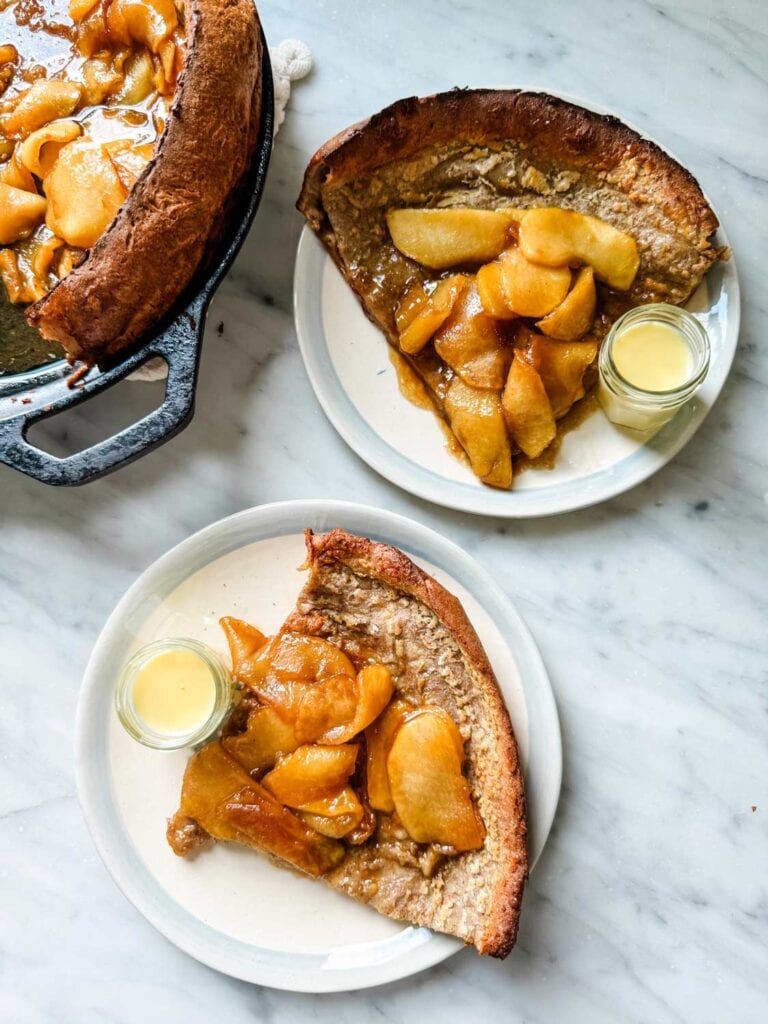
(26, 398)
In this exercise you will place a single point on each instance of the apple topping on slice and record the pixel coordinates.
(336, 709)
(223, 799)
(265, 738)
(420, 313)
(574, 316)
(431, 796)
(283, 669)
(378, 739)
(470, 342)
(243, 639)
(445, 238)
(561, 366)
(527, 409)
(491, 292)
(475, 417)
(556, 238)
(531, 289)
(311, 772)
(335, 816)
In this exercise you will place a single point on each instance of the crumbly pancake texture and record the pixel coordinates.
(373, 602)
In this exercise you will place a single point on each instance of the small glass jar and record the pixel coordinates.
(134, 724)
(630, 406)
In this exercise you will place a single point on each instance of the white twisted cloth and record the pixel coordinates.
(291, 61)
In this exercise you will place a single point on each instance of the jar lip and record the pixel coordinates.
(137, 728)
(690, 327)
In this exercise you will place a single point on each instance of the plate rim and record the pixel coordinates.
(399, 469)
(118, 857)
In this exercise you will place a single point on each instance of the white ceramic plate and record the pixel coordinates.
(230, 907)
(347, 360)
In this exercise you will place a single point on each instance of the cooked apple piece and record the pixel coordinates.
(326, 708)
(14, 173)
(147, 21)
(344, 801)
(420, 314)
(447, 237)
(84, 193)
(46, 100)
(20, 213)
(476, 418)
(220, 796)
(491, 292)
(129, 160)
(244, 640)
(527, 409)
(530, 289)
(556, 238)
(431, 796)
(574, 316)
(561, 366)
(336, 815)
(336, 709)
(378, 740)
(310, 773)
(265, 738)
(471, 344)
(283, 670)
(138, 82)
(39, 150)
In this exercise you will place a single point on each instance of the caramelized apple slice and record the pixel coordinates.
(84, 193)
(420, 314)
(15, 174)
(378, 739)
(223, 799)
(40, 149)
(287, 665)
(297, 656)
(470, 343)
(477, 420)
(491, 292)
(431, 796)
(244, 640)
(20, 213)
(147, 21)
(46, 100)
(529, 289)
(447, 237)
(310, 773)
(343, 802)
(336, 815)
(561, 366)
(335, 710)
(266, 737)
(527, 408)
(574, 316)
(325, 708)
(556, 238)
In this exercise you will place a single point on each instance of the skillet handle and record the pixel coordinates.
(179, 345)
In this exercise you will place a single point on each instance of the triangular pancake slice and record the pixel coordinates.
(513, 151)
(375, 605)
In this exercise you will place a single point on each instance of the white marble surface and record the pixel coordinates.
(651, 900)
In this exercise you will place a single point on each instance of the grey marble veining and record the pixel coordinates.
(650, 902)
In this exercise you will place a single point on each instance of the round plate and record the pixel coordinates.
(230, 907)
(347, 360)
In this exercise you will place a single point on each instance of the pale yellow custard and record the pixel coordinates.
(174, 692)
(652, 356)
